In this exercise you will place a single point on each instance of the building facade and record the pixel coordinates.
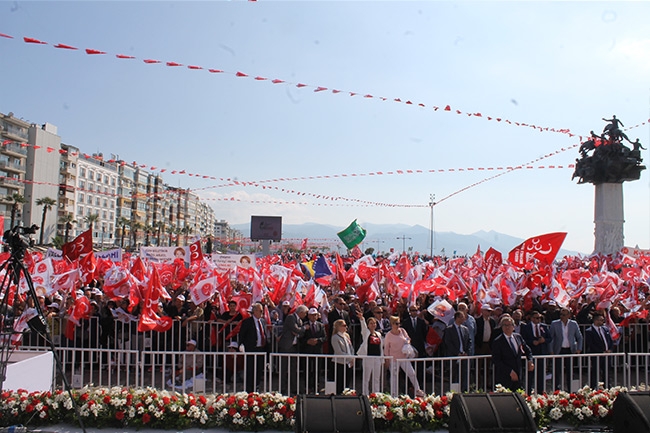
(127, 206)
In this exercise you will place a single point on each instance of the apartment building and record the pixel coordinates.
(127, 205)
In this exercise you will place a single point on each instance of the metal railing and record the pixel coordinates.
(119, 355)
(234, 371)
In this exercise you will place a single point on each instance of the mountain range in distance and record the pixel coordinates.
(383, 237)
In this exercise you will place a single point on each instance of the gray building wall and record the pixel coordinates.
(42, 175)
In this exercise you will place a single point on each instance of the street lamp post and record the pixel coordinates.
(432, 203)
(403, 238)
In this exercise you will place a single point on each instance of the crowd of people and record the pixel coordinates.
(391, 326)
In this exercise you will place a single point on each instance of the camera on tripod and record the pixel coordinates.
(18, 237)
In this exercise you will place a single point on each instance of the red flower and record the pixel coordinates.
(29, 408)
(232, 411)
(244, 413)
(290, 400)
(84, 396)
(119, 415)
(107, 399)
(389, 415)
(387, 404)
(564, 402)
(166, 400)
(577, 403)
(146, 418)
(230, 400)
(211, 410)
(439, 414)
(202, 399)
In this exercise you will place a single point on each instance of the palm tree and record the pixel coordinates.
(47, 203)
(160, 227)
(17, 199)
(186, 230)
(148, 230)
(67, 220)
(135, 226)
(170, 231)
(90, 220)
(123, 222)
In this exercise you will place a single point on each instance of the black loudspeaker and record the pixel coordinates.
(631, 412)
(333, 413)
(502, 412)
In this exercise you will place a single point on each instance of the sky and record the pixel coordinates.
(331, 111)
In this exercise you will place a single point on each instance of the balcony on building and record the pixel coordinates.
(14, 149)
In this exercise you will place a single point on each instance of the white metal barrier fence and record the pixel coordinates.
(224, 372)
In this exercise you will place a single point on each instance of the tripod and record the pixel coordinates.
(12, 327)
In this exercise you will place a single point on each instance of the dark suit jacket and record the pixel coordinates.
(594, 342)
(292, 327)
(248, 334)
(418, 334)
(451, 343)
(528, 335)
(480, 327)
(319, 333)
(506, 360)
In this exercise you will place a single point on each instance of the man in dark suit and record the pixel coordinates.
(312, 343)
(292, 330)
(598, 340)
(455, 342)
(417, 329)
(507, 350)
(538, 336)
(485, 327)
(338, 312)
(254, 336)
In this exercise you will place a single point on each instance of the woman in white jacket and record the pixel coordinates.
(342, 346)
(371, 349)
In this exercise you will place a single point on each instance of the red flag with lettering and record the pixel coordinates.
(543, 248)
(196, 255)
(88, 268)
(149, 319)
(82, 244)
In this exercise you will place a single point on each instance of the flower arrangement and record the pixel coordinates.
(154, 408)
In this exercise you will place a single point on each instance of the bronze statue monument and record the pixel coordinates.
(606, 163)
(605, 159)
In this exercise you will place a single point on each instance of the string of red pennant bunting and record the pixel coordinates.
(316, 88)
(508, 170)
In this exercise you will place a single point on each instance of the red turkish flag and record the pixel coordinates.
(88, 268)
(543, 248)
(196, 255)
(149, 319)
(203, 290)
(80, 245)
(117, 282)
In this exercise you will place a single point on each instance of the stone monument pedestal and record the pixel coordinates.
(608, 218)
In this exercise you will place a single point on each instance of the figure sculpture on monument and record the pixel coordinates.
(610, 160)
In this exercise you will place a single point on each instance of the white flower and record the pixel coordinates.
(602, 411)
(555, 413)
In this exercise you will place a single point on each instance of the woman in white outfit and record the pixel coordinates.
(342, 345)
(393, 344)
(371, 349)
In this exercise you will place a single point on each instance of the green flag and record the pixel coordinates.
(353, 235)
